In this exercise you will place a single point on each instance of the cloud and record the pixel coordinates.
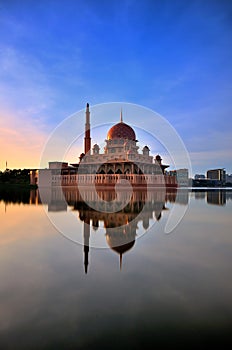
(24, 84)
(27, 95)
(213, 140)
(211, 155)
(204, 160)
(211, 149)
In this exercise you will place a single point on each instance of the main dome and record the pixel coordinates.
(121, 131)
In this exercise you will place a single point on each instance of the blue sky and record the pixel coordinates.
(174, 57)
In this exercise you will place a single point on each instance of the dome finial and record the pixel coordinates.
(121, 116)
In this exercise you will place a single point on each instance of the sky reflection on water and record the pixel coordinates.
(171, 289)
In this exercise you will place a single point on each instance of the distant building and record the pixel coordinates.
(217, 175)
(182, 177)
(199, 176)
(54, 175)
(203, 183)
(229, 178)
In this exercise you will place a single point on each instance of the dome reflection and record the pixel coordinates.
(121, 226)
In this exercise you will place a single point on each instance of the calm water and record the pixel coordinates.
(133, 286)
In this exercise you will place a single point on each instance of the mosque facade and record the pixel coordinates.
(120, 162)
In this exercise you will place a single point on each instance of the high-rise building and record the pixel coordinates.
(181, 175)
(217, 175)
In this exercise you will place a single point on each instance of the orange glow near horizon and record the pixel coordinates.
(21, 142)
(10, 228)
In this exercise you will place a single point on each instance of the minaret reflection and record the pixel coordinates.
(121, 226)
(86, 243)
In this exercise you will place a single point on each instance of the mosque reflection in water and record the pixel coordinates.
(121, 223)
(106, 209)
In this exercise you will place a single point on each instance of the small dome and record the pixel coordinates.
(82, 155)
(121, 131)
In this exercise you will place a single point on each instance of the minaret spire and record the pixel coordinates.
(121, 120)
(87, 130)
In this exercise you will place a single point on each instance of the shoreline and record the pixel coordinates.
(17, 185)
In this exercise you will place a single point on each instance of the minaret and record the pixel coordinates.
(87, 130)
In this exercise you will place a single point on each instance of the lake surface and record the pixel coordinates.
(76, 276)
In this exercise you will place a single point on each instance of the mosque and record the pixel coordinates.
(119, 163)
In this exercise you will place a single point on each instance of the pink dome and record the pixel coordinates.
(121, 131)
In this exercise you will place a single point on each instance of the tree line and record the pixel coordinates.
(15, 176)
